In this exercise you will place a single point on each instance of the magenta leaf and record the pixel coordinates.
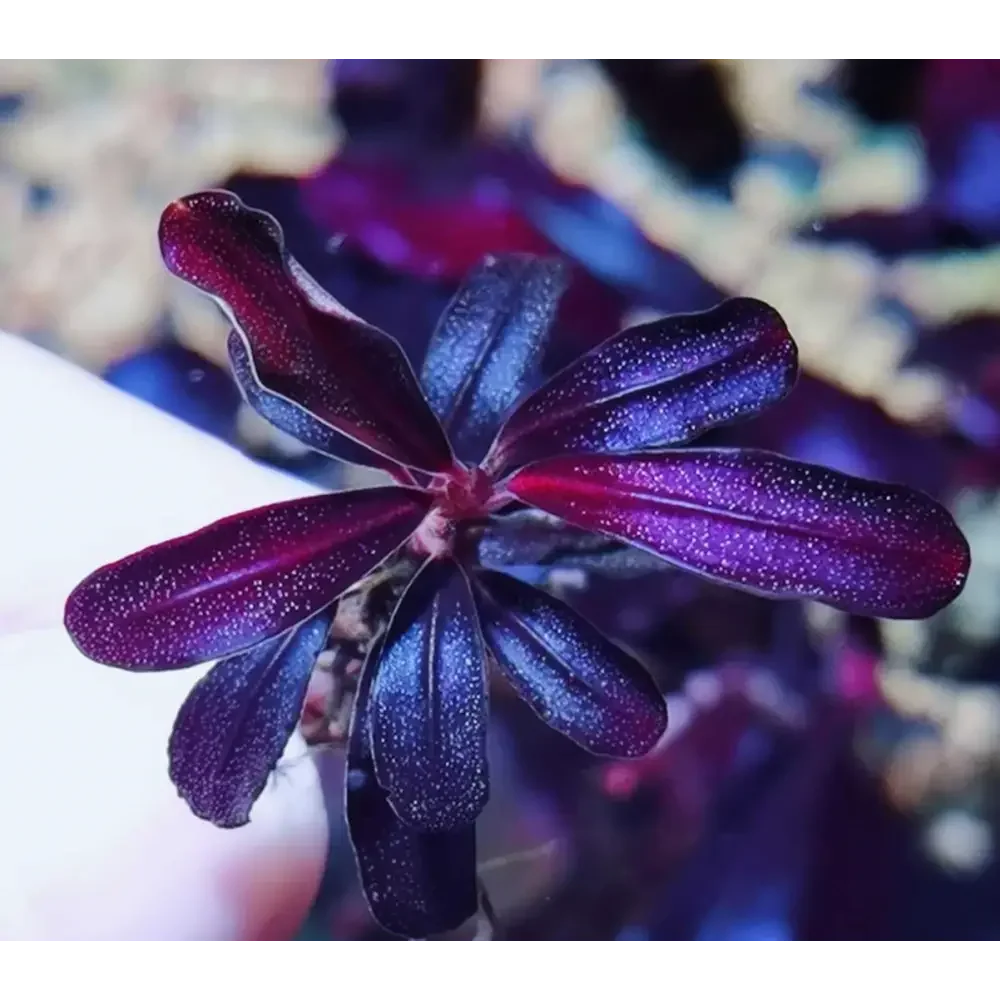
(429, 704)
(767, 524)
(291, 418)
(654, 385)
(235, 724)
(238, 581)
(578, 681)
(305, 346)
(488, 346)
(416, 884)
(531, 540)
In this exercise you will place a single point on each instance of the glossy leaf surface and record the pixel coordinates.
(289, 417)
(576, 679)
(304, 344)
(530, 539)
(654, 385)
(238, 581)
(235, 724)
(416, 883)
(429, 703)
(487, 348)
(766, 524)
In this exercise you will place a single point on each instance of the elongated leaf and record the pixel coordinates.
(577, 680)
(239, 581)
(766, 524)
(487, 348)
(305, 346)
(530, 539)
(430, 706)
(654, 385)
(291, 418)
(234, 726)
(416, 884)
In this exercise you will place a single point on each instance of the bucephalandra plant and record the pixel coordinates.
(471, 450)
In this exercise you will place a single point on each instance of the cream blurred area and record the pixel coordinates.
(89, 159)
(94, 150)
(107, 141)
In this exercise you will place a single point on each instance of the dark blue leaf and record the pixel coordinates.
(578, 681)
(529, 539)
(234, 726)
(416, 884)
(655, 385)
(602, 237)
(290, 417)
(487, 348)
(429, 703)
(182, 383)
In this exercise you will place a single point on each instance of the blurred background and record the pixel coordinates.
(824, 776)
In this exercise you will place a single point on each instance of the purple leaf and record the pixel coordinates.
(407, 111)
(235, 724)
(238, 581)
(416, 884)
(578, 681)
(488, 346)
(291, 418)
(658, 384)
(305, 345)
(529, 539)
(767, 524)
(429, 704)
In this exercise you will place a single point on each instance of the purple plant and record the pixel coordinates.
(260, 589)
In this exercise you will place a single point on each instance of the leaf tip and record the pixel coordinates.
(214, 221)
(650, 725)
(952, 568)
(86, 623)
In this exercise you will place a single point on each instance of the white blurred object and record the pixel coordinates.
(95, 841)
(960, 842)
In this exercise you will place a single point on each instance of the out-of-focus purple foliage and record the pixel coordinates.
(968, 352)
(953, 106)
(959, 118)
(415, 200)
(260, 589)
(406, 107)
(822, 424)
